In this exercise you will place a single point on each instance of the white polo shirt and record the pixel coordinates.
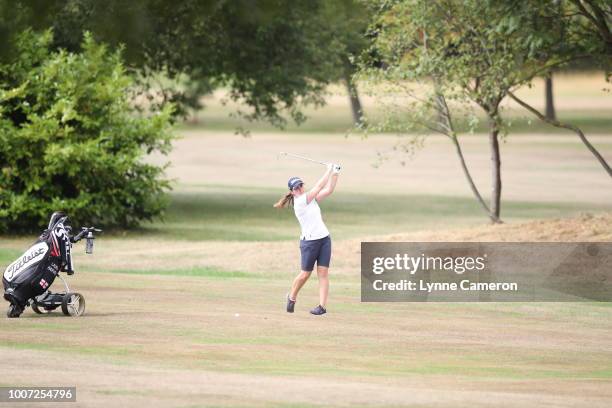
(309, 216)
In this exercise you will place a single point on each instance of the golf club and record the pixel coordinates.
(297, 156)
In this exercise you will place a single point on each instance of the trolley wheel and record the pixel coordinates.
(73, 304)
(14, 311)
(40, 310)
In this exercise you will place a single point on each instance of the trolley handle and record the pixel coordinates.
(89, 245)
(88, 234)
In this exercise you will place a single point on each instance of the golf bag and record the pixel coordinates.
(33, 272)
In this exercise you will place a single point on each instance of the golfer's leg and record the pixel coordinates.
(323, 274)
(307, 262)
(323, 261)
(298, 282)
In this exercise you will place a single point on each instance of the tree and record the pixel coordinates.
(406, 37)
(348, 21)
(549, 107)
(472, 52)
(70, 139)
(582, 33)
(549, 102)
(584, 27)
(595, 16)
(276, 56)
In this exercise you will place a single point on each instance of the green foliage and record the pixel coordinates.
(276, 56)
(348, 21)
(69, 139)
(471, 53)
(276, 60)
(587, 24)
(474, 51)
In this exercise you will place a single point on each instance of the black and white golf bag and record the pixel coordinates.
(33, 272)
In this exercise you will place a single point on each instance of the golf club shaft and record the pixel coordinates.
(297, 156)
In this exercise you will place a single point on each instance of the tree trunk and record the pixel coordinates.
(550, 103)
(444, 117)
(356, 108)
(495, 171)
(468, 176)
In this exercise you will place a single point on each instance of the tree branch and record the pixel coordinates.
(556, 123)
(597, 17)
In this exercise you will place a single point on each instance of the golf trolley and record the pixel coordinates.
(72, 303)
(27, 280)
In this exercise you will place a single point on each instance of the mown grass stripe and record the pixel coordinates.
(205, 272)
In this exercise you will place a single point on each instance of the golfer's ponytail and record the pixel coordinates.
(286, 200)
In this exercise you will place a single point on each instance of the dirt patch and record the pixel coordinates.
(585, 227)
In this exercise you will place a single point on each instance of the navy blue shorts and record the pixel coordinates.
(317, 250)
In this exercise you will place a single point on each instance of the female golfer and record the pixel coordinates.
(315, 243)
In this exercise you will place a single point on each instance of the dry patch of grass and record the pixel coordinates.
(281, 258)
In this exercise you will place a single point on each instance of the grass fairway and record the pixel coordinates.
(189, 311)
(245, 214)
(218, 339)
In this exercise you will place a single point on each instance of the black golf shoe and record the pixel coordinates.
(319, 310)
(290, 304)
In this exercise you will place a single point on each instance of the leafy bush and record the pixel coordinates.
(70, 139)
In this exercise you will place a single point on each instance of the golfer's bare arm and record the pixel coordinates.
(329, 187)
(314, 192)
